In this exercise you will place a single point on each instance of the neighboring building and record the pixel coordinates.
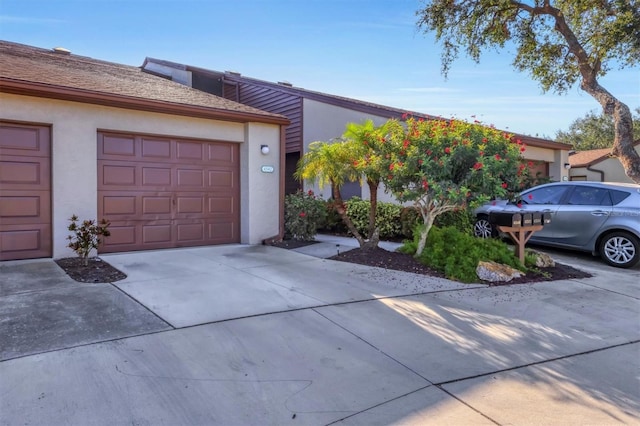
(598, 165)
(168, 165)
(319, 116)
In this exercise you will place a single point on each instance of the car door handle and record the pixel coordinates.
(599, 213)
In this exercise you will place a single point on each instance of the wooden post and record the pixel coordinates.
(520, 235)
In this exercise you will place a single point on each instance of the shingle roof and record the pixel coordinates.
(591, 156)
(62, 75)
(350, 103)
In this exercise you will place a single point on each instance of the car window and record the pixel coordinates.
(618, 196)
(589, 196)
(546, 195)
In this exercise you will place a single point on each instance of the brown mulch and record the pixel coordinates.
(404, 262)
(96, 271)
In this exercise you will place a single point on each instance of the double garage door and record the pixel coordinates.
(164, 192)
(157, 192)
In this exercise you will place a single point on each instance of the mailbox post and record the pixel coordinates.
(520, 227)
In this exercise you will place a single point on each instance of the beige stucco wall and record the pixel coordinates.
(323, 122)
(612, 168)
(74, 129)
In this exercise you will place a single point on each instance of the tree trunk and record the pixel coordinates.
(623, 128)
(373, 194)
(428, 219)
(342, 211)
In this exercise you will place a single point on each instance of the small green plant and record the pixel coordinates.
(456, 253)
(86, 236)
(303, 213)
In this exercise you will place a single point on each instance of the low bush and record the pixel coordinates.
(387, 217)
(456, 253)
(86, 236)
(303, 214)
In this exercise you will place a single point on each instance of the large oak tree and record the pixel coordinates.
(557, 42)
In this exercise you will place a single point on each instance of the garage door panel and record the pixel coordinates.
(24, 173)
(24, 140)
(28, 241)
(221, 154)
(118, 146)
(24, 207)
(154, 149)
(25, 191)
(193, 178)
(162, 192)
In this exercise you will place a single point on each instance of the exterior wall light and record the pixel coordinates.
(264, 149)
(567, 166)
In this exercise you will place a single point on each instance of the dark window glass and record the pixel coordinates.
(547, 195)
(618, 196)
(589, 196)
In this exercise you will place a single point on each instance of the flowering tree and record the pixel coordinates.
(442, 165)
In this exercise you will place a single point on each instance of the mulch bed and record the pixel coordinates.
(96, 271)
(404, 262)
(291, 244)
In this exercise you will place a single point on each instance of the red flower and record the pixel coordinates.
(504, 185)
(391, 166)
(405, 144)
(481, 153)
(523, 149)
(302, 214)
(485, 140)
(425, 184)
(477, 166)
(420, 161)
(404, 116)
(530, 164)
(530, 197)
(519, 205)
(447, 150)
(498, 157)
(493, 203)
(310, 192)
(429, 152)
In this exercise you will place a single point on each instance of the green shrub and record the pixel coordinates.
(461, 219)
(332, 222)
(457, 254)
(86, 236)
(409, 219)
(387, 217)
(303, 212)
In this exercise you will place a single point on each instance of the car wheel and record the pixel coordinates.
(620, 249)
(482, 228)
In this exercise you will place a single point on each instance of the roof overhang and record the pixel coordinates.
(41, 90)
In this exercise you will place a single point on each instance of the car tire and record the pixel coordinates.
(620, 249)
(482, 228)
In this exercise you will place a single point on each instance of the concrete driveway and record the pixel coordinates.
(244, 335)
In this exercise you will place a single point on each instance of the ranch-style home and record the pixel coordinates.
(167, 165)
(319, 116)
(598, 165)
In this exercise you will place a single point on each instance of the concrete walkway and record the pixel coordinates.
(255, 335)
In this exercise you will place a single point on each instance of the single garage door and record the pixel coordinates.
(164, 192)
(25, 191)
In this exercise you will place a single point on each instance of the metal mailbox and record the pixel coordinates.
(536, 218)
(527, 219)
(505, 219)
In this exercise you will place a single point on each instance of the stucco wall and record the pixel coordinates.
(74, 129)
(323, 122)
(611, 167)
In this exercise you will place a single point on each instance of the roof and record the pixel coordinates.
(57, 74)
(591, 156)
(349, 103)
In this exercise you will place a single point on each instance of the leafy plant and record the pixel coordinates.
(457, 254)
(387, 217)
(86, 236)
(303, 213)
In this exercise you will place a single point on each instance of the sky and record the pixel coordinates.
(370, 50)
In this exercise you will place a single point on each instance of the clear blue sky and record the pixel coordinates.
(364, 49)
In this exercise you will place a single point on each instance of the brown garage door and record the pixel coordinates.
(25, 191)
(163, 192)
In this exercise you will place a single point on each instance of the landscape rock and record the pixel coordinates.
(496, 272)
(543, 260)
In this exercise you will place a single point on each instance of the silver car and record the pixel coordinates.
(597, 217)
